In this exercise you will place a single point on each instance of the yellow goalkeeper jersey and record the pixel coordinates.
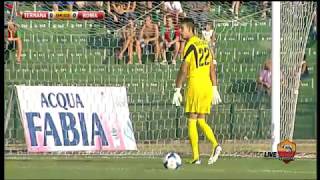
(198, 57)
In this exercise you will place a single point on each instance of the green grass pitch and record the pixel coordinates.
(152, 168)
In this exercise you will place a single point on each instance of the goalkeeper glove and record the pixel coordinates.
(177, 97)
(215, 96)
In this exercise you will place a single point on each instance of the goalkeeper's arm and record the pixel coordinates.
(215, 96)
(213, 73)
(177, 97)
(182, 75)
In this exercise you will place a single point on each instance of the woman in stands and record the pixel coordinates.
(129, 35)
(14, 36)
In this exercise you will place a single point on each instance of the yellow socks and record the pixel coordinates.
(208, 133)
(193, 136)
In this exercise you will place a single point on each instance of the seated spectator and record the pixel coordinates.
(199, 12)
(148, 34)
(235, 8)
(304, 69)
(170, 35)
(129, 35)
(57, 4)
(90, 4)
(209, 35)
(14, 39)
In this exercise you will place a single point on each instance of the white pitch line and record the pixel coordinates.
(282, 171)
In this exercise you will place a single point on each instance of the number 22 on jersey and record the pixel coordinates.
(204, 56)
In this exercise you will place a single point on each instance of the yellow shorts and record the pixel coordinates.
(198, 98)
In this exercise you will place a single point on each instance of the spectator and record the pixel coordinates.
(6, 42)
(304, 69)
(140, 8)
(115, 15)
(148, 33)
(129, 10)
(129, 35)
(14, 39)
(265, 5)
(148, 5)
(235, 8)
(111, 13)
(199, 11)
(10, 10)
(119, 9)
(90, 4)
(174, 9)
(170, 35)
(56, 4)
(314, 25)
(209, 35)
(143, 7)
(264, 80)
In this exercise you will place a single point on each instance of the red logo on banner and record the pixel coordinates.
(86, 15)
(35, 15)
(286, 150)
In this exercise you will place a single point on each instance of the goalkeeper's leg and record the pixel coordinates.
(193, 136)
(216, 149)
(208, 132)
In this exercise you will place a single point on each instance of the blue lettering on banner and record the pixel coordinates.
(52, 132)
(69, 127)
(78, 100)
(62, 101)
(83, 129)
(65, 101)
(71, 103)
(44, 100)
(100, 132)
(50, 101)
(32, 128)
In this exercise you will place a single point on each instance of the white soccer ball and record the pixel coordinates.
(172, 161)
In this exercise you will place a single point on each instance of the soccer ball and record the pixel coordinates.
(172, 161)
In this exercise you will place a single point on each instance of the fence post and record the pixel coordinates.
(232, 116)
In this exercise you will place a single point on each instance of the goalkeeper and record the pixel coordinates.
(198, 67)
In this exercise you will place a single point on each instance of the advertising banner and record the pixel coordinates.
(63, 118)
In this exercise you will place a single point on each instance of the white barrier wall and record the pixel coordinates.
(63, 118)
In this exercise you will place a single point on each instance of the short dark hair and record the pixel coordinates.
(189, 22)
